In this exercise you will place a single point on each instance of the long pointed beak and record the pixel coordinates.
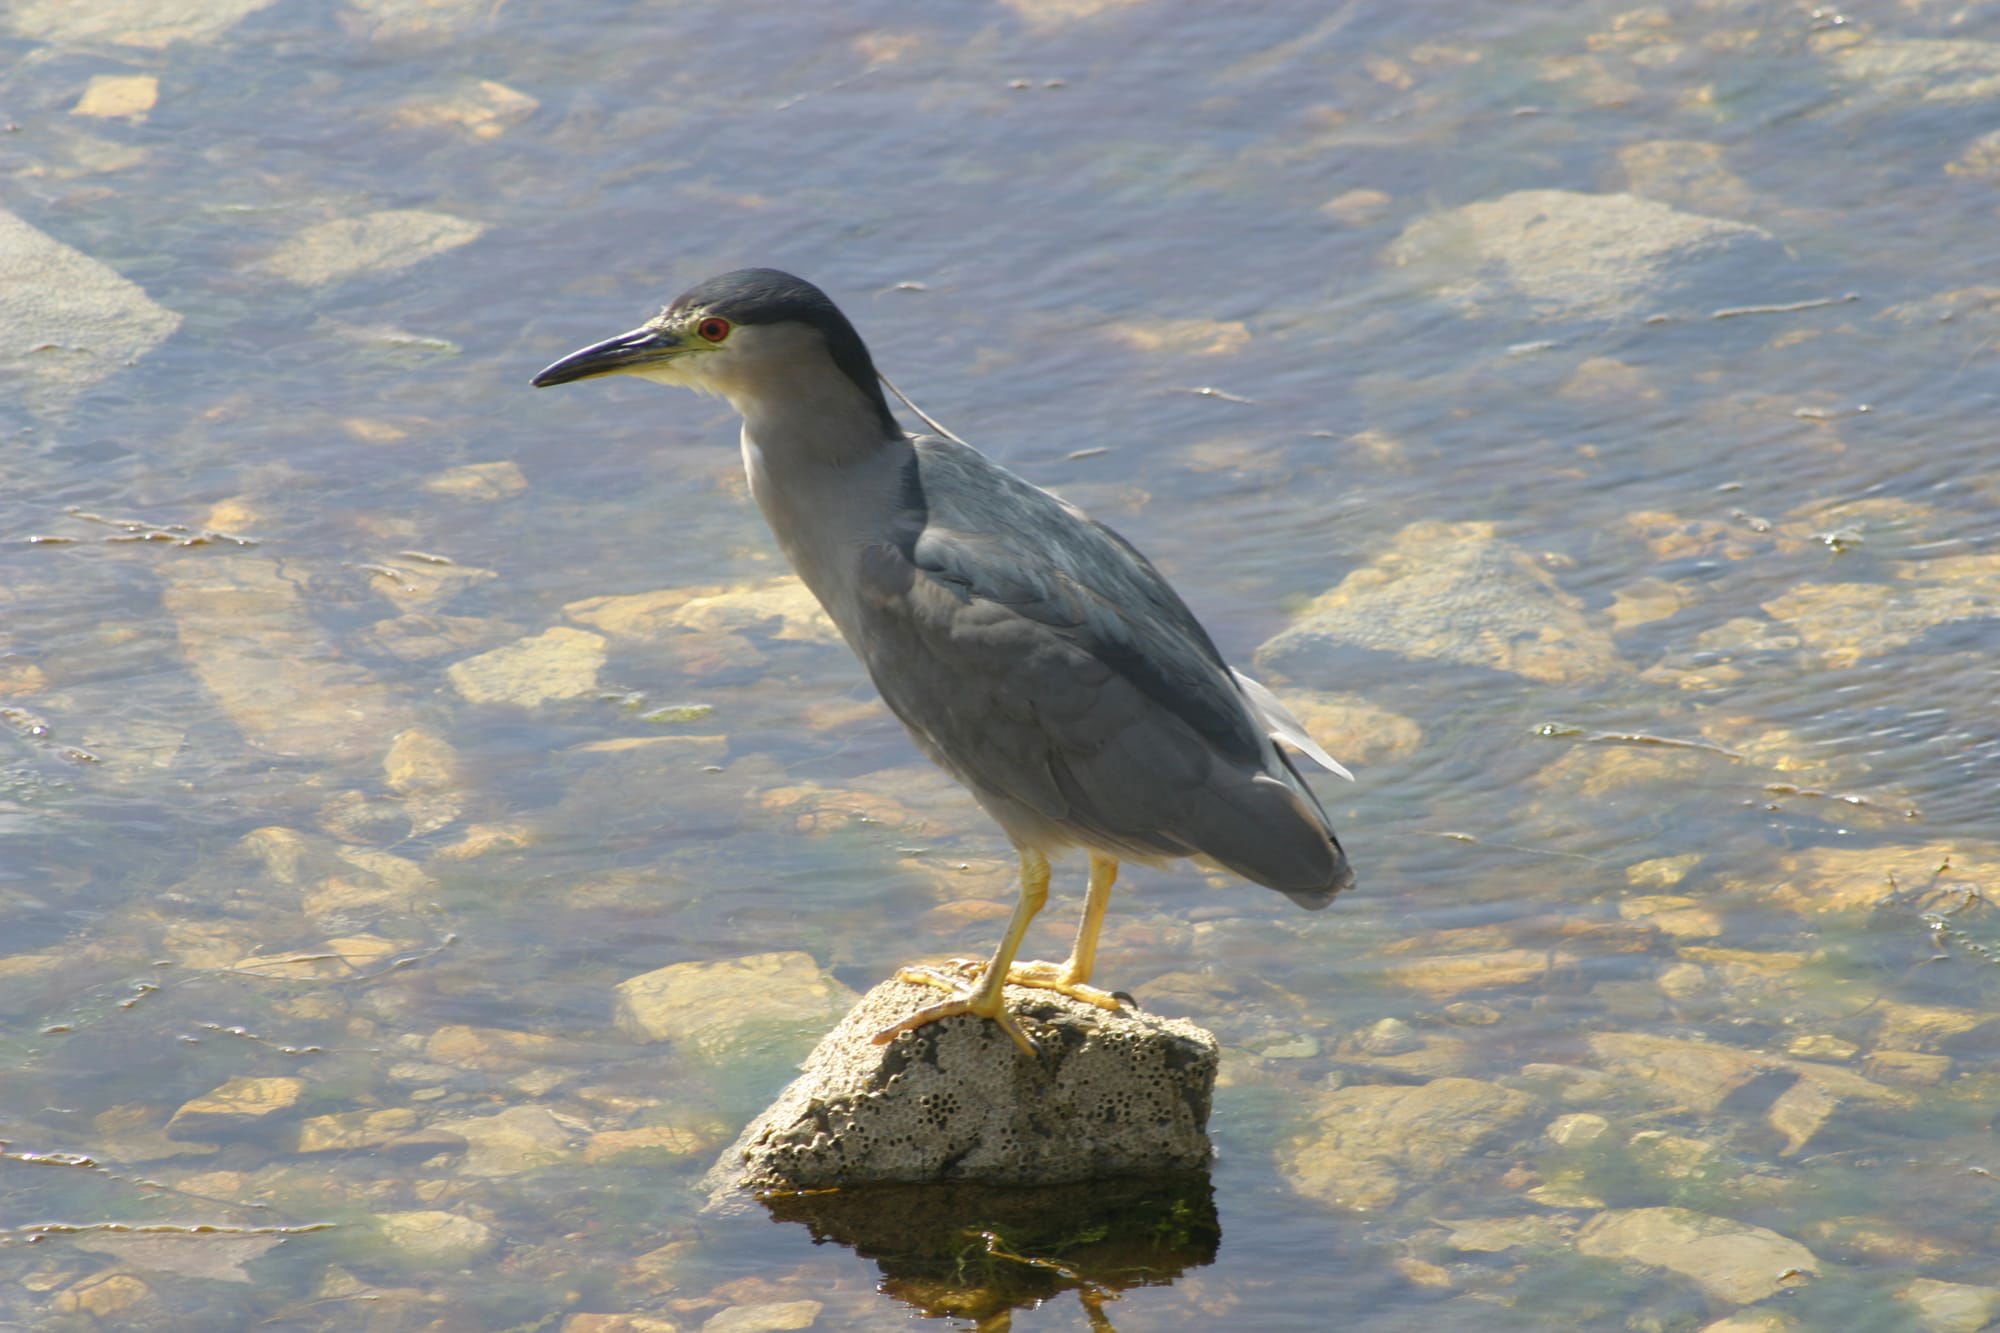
(611, 356)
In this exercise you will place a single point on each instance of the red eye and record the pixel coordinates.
(714, 328)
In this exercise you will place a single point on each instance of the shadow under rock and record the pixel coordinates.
(979, 1252)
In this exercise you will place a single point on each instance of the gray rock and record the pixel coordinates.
(1115, 1094)
(1569, 255)
(1451, 592)
(66, 320)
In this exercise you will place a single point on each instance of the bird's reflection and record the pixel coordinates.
(979, 1253)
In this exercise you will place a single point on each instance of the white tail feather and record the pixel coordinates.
(1280, 725)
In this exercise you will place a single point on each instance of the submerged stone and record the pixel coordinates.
(1919, 1027)
(619, 1323)
(104, 1295)
(1672, 914)
(1177, 339)
(558, 663)
(517, 1139)
(1688, 173)
(719, 1010)
(249, 634)
(420, 583)
(228, 1110)
(780, 608)
(764, 1317)
(1700, 1074)
(365, 886)
(1951, 1307)
(1922, 69)
(1729, 1260)
(66, 320)
(1457, 973)
(1825, 880)
(1566, 254)
(478, 108)
(429, 1238)
(419, 637)
(423, 768)
(351, 1131)
(1822, 1046)
(1672, 1156)
(1797, 1098)
(495, 1050)
(126, 96)
(1753, 1321)
(1845, 623)
(650, 1144)
(1576, 1129)
(480, 481)
(141, 23)
(377, 243)
(776, 608)
(1115, 1093)
(414, 21)
(1367, 1144)
(813, 808)
(1451, 592)
(1495, 1235)
(1908, 1069)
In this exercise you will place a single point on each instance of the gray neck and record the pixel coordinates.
(826, 479)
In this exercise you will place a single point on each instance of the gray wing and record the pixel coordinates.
(1039, 657)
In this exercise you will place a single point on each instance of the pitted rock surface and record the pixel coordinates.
(1114, 1094)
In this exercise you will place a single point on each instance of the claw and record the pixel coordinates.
(963, 1003)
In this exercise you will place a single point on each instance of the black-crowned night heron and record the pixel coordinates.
(1032, 653)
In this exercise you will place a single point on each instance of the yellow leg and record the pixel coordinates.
(1069, 978)
(1083, 955)
(988, 999)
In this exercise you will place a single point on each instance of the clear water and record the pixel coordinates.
(1015, 203)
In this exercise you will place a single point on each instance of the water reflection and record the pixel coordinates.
(978, 1254)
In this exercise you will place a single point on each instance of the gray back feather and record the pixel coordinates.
(1038, 656)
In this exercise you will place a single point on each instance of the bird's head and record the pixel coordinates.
(745, 336)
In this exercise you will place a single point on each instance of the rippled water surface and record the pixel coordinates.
(1583, 414)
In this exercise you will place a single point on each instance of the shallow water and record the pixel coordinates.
(1699, 747)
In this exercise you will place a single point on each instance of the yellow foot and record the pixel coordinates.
(957, 974)
(1055, 977)
(963, 1003)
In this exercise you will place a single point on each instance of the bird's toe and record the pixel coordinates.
(1057, 977)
